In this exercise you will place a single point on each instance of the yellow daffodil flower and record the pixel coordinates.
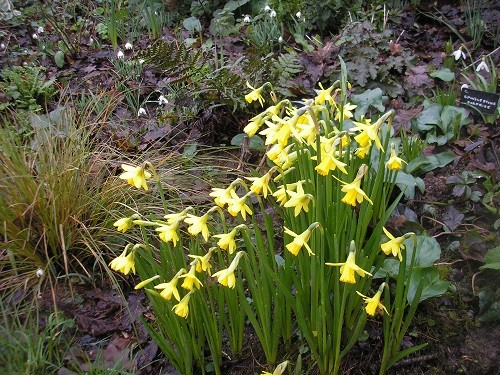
(348, 268)
(261, 184)
(168, 233)
(300, 240)
(198, 224)
(274, 152)
(254, 125)
(226, 277)
(125, 223)
(283, 192)
(394, 163)
(361, 152)
(298, 199)
(369, 132)
(170, 288)
(136, 176)
(124, 263)
(177, 217)
(224, 196)
(182, 308)
(202, 262)
(329, 163)
(226, 240)
(395, 244)
(306, 129)
(190, 279)
(345, 111)
(324, 95)
(255, 94)
(146, 282)
(279, 370)
(286, 159)
(239, 205)
(354, 193)
(373, 304)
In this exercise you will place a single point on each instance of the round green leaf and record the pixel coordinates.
(59, 59)
(443, 74)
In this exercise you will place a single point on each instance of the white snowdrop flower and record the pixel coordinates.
(141, 112)
(2, 46)
(246, 19)
(482, 66)
(40, 30)
(267, 8)
(128, 45)
(141, 61)
(34, 36)
(120, 55)
(39, 272)
(464, 86)
(162, 100)
(298, 14)
(272, 14)
(280, 39)
(459, 54)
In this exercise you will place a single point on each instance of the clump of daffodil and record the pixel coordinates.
(182, 308)
(125, 262)
(354, 193)
(136, 176)
(395, 244)
(300, 240)
(170, 289)
(124, 224)
(394, 163)
(255, 94)
(226, 277)
(190, 279)
(349, 267)
(279, 370)
(373, 304)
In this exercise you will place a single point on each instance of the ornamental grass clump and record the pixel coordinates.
(293, 252)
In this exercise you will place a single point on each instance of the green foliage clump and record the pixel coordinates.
(369, 58)
(27, 87)
(54, 195)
